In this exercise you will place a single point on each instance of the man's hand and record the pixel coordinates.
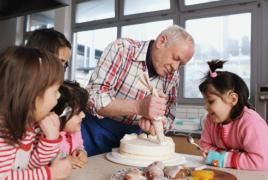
(152, 107)
(147, 126)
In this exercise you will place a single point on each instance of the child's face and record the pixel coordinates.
(74, 124)
(218, 108)
(45, 103)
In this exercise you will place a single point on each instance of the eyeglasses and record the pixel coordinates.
(64, 63)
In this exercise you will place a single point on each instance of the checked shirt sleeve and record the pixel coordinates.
(105, 76)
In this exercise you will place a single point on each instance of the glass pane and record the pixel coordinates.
(90, 45)
(223, 37)
(94, 10)
(40, 20)
(145, 31)
(141, 6)
(192, 2)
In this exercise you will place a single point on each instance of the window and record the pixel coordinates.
(40, 20)
(145, 31)
(221, 29)
(223, 37)
(141, 6)
(98, 22)
(192, 2)
(94, 10)
(89, 47)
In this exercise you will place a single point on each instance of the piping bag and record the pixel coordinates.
(145, 83)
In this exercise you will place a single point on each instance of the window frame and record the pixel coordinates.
(221, 11)
(145, 14)
(208, 5)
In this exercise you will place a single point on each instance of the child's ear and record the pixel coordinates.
(233, 98)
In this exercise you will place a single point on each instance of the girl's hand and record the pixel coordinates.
(50, 125)
(78, 158)
(215, 158)
(58, 166)
(204, 154)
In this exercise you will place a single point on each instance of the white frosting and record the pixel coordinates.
(146, 147)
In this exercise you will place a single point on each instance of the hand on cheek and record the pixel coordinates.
(50, 125)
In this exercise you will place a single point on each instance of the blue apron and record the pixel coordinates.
(101, 135)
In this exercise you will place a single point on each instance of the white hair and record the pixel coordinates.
(175, 33)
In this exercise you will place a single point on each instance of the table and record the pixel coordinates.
(99, 168)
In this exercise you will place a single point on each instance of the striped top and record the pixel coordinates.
(117, 74)
(30, 158)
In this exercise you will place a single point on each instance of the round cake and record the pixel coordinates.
(145, 146)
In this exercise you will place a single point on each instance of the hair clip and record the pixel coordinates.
(213, 74)
(40, 60)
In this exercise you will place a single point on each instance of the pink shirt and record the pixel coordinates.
(70, 142)
(245, 140)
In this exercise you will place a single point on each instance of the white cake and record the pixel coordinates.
(146, 147)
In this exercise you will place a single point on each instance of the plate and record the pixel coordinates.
(115, 156)
(120, 174)
(219, 175)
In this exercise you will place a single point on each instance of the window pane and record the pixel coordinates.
(192, 2)
(90, 45)
(141, 6)
(40, 20)
(146, 31)
(94, 10)
(223, 37)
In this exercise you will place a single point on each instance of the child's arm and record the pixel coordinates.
(7, 160)
(48, 143)
(206, 141)
(79, 156)
(253, 135)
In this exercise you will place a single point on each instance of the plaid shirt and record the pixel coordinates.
(117, 74)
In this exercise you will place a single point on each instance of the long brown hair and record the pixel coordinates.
(25, 73)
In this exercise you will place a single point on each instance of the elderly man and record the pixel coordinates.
(118, 104)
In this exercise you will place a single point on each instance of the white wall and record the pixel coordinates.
(11, 30)
(7, 33)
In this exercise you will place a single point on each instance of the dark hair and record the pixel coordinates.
(49, 40)
(224, 82)
(25, 74)
(72, 95)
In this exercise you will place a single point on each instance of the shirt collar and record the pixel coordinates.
(140, 54)
(149, 62)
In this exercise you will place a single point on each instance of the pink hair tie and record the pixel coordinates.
(213, 74)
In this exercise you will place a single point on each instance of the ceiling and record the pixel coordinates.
(15, 8)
